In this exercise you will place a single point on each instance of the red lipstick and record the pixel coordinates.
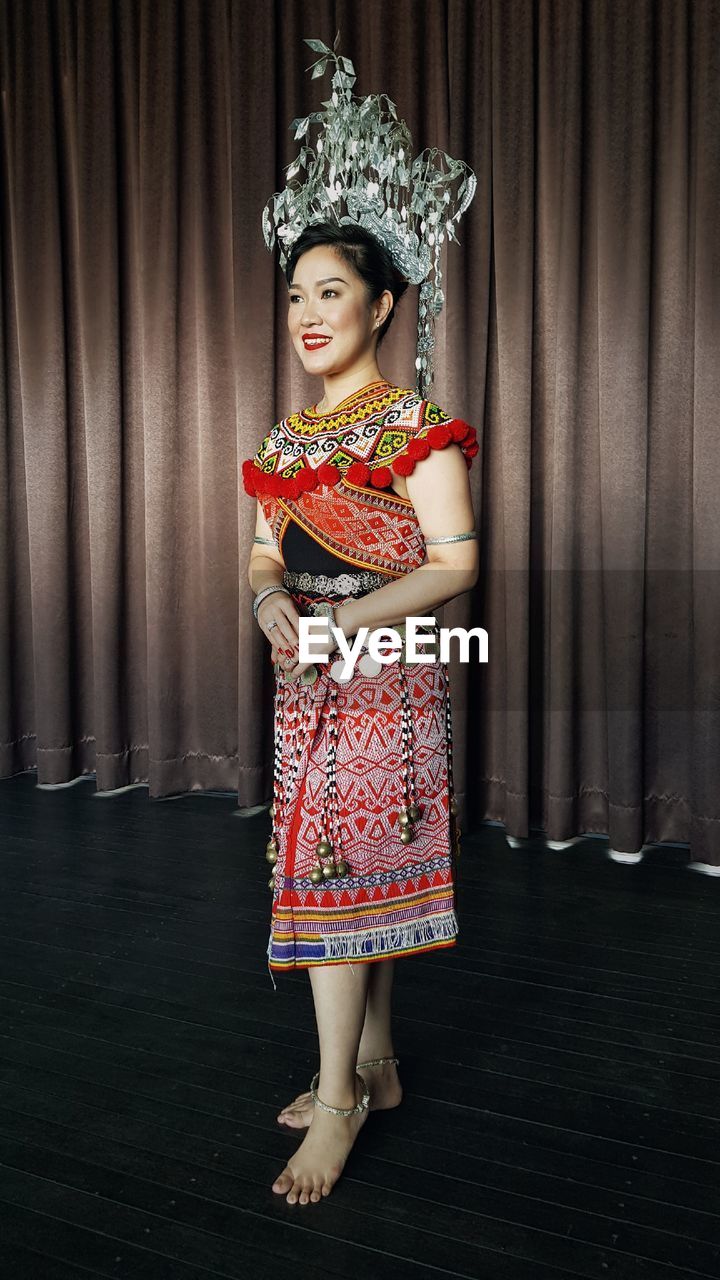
(314, 341)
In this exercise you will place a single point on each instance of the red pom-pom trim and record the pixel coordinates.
(439, 436)
(358, 473)
(418, 449)
(404, 465)
(327, 473)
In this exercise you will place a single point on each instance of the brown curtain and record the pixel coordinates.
(145, 355)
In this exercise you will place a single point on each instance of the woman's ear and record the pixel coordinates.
(382, 317)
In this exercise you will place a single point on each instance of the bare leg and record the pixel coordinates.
(340, 995)
(376, 1042)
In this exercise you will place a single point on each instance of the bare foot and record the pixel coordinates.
(385, 1092)
(320, 1159)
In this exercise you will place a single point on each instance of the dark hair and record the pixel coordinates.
(369, 259)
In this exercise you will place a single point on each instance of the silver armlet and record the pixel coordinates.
(454, 537)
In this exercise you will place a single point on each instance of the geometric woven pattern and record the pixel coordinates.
(372, 434)
(397, 898)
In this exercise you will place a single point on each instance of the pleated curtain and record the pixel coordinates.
(145, 354)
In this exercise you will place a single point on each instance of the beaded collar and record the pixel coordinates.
(374, 429)
(369, 400)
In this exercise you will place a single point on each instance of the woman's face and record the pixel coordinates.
(327, 299)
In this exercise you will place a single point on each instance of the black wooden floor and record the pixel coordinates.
(561, 1065)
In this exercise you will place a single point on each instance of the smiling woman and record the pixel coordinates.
(343, 288)
(364, 830)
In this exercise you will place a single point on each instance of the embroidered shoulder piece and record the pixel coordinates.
(376, 432)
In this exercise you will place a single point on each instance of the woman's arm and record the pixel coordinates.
(265, 568)
(439, 489)
(266, 565)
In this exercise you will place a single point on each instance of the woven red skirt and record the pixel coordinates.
(348, 756)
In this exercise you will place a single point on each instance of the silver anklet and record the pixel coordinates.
(340, 1111)
(378, 1062)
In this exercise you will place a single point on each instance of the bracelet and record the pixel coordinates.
(266, 591)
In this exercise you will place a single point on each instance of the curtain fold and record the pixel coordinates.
(145, 355)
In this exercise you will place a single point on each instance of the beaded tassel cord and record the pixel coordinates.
(331, 815)
(455, 836)
(281, 787)
(410, 811)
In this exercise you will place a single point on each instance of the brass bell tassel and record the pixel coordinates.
(407, 830)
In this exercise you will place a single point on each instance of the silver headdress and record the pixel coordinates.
(362, 164)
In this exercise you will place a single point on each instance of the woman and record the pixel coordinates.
(363, 811)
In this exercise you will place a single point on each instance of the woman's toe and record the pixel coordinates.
(284, 1181)
(294, 1192)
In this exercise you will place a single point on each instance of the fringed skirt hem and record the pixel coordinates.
(384, 942)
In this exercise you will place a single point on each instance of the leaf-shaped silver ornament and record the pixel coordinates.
(318, 47)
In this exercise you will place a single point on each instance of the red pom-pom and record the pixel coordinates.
(458, 429)
(472, 449)
(381, 477)
(307, 479)
(439, 436)
(327, 473)
(404, 465)
(468, 461)
(418, 449)
(358, 473)
(248, 478)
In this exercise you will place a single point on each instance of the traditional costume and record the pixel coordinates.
(364, 832)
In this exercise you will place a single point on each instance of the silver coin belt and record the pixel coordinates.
(344, 584)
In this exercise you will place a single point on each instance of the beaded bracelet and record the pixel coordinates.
(266, 591)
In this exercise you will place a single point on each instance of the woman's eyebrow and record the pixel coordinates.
(327, 280)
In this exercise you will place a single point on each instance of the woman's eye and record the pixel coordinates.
(295, 296)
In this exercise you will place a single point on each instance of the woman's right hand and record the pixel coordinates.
(285, 636)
